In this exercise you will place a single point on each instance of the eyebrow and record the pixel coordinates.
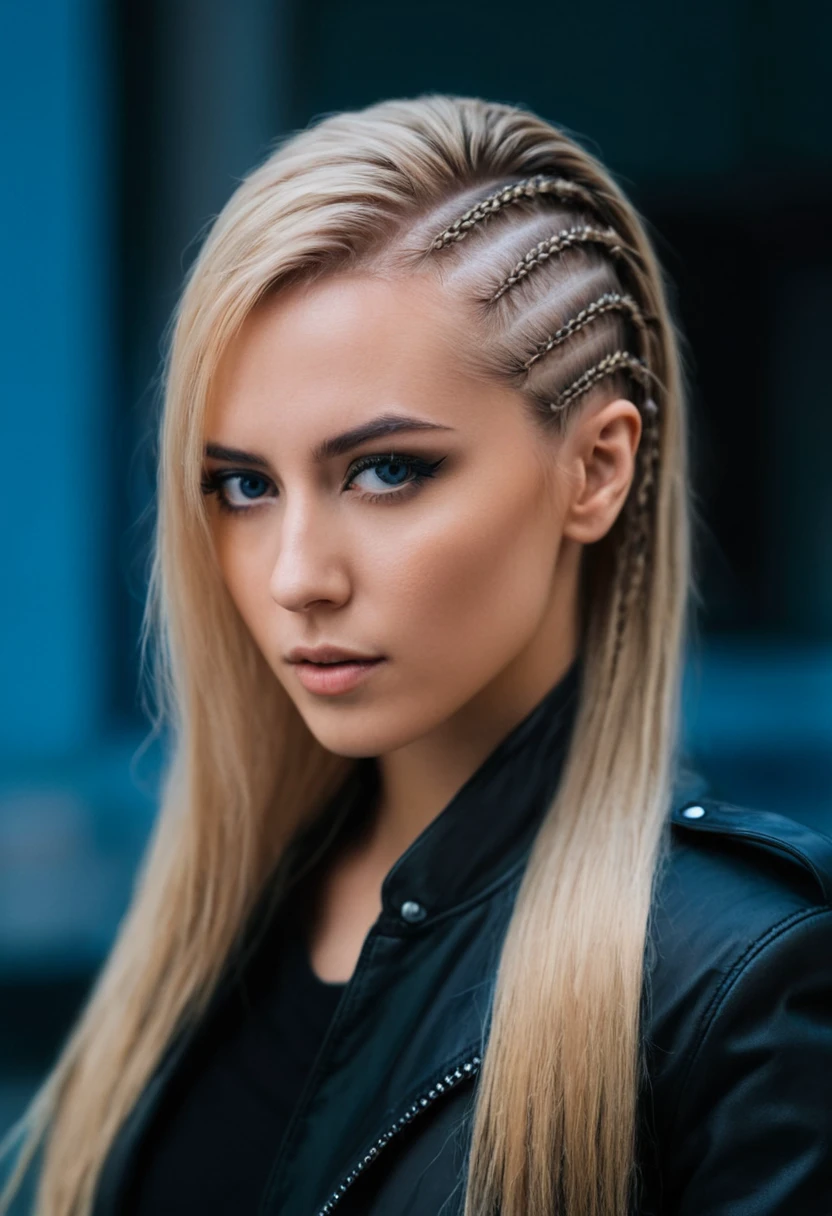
(337, 445)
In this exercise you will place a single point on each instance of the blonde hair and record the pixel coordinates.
(563, 297)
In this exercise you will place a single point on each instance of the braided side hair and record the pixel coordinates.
(592, 251)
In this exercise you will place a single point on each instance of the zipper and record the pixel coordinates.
(449, 1081)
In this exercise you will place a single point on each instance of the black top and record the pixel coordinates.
(212, 1145)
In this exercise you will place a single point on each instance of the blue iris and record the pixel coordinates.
(397, 471)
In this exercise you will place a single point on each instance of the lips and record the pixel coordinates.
(333, 676)
(327, 655)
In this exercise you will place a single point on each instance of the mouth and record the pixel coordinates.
(331, 677)
(335, 662)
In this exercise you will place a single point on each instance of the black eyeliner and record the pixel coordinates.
(213, 481)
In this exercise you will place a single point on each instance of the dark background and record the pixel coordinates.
(125, 127)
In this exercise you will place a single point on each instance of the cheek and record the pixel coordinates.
(245, 573)
(465, 591)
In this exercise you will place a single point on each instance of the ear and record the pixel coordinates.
(601, 454)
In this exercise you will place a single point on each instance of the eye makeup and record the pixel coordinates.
(403, 475)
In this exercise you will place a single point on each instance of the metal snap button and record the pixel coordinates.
(412, 912)
(693, 812)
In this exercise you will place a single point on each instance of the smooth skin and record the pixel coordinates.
(466, 582)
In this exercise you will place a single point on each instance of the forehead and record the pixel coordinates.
(335, 351)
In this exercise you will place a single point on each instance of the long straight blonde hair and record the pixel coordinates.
(557, 280)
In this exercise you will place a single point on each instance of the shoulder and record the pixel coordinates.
(733, 880)
(719, 852)
(741, 920)
(733, 874)
(738, 1012)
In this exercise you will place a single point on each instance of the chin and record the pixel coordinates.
(356, 732)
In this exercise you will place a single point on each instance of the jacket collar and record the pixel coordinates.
(488, 826)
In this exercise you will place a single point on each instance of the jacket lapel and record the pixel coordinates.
(410, 1028)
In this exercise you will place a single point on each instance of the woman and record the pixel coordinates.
(429, 922)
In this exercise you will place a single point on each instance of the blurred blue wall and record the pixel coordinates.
(55, 374)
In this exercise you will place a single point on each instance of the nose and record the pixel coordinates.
(311, 567)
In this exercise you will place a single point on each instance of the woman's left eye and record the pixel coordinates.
(384, 475)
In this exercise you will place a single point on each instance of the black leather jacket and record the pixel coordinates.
(735, 1118)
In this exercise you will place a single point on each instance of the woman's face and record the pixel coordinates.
(386, 504)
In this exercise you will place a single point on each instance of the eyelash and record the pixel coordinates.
(214, 482)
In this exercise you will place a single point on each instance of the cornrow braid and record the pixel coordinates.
(634, 555)
(530, 187)
(581, 234)
(599, 371)
(611, 301)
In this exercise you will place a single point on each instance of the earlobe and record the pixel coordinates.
(605, 444)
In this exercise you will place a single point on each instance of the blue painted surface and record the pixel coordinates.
(54, 373)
